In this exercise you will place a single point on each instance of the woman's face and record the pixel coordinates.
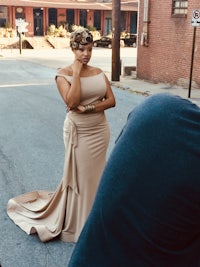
(83, 53)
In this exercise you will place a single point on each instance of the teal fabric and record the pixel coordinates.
(147, 209)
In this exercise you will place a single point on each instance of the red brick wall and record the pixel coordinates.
(168, 56)
(30, 20)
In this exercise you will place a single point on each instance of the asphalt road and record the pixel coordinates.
(32, 150)
(56, 58)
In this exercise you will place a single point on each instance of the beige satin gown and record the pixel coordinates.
(63, 212)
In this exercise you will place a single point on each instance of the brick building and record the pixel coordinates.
(165, 42)
(41, 14)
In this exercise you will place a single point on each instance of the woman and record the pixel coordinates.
(147, 209)
(87, 93)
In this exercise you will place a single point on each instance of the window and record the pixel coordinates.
(97, 19)
(83, 18)
(179, 7)
(133, 22)
(3, 16)
(123, 21)
(70, 16)
(53, 16)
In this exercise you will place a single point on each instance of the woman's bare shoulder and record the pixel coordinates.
(65, 71)
(94, 70)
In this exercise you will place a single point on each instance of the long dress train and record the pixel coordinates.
(63, 212)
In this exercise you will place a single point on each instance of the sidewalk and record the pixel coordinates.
(147, 88)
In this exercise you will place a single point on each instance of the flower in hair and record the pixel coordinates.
(80, 36)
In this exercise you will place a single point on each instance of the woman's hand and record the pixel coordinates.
(78, 109)
(77, 66)
(81, 108)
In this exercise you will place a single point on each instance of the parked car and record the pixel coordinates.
(130, 40)
(104, 41)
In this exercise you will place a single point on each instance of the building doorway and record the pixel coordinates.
(38, 21)
(108, 26)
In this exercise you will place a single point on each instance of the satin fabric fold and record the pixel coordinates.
(63, 212)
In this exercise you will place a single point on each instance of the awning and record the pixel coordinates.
(129, 5)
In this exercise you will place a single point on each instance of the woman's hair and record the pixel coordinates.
(81, 36)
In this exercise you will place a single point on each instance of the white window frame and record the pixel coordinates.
(179, 7)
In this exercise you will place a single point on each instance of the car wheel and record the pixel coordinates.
(95, 45)
(134, 45)
(109, 46)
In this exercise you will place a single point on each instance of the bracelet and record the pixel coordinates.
(89, 108)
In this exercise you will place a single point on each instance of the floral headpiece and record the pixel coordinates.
(80, 36)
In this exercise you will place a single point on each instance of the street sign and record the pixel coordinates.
(21, 25)
(19, 22)
(22, 28)
(196, 18)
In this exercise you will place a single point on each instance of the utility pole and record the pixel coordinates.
(116, 25)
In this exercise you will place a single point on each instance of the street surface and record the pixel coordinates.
(31, 147)
(58, 58)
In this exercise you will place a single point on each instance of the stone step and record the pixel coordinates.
(39, 42)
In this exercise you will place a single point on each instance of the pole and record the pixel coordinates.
(116, 66)
(192, 61)
(20, 43)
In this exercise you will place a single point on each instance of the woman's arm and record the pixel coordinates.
(108, 102)
(71, 93)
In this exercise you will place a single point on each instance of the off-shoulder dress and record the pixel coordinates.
(64, 212)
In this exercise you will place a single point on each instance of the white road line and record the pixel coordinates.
(22, 84)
